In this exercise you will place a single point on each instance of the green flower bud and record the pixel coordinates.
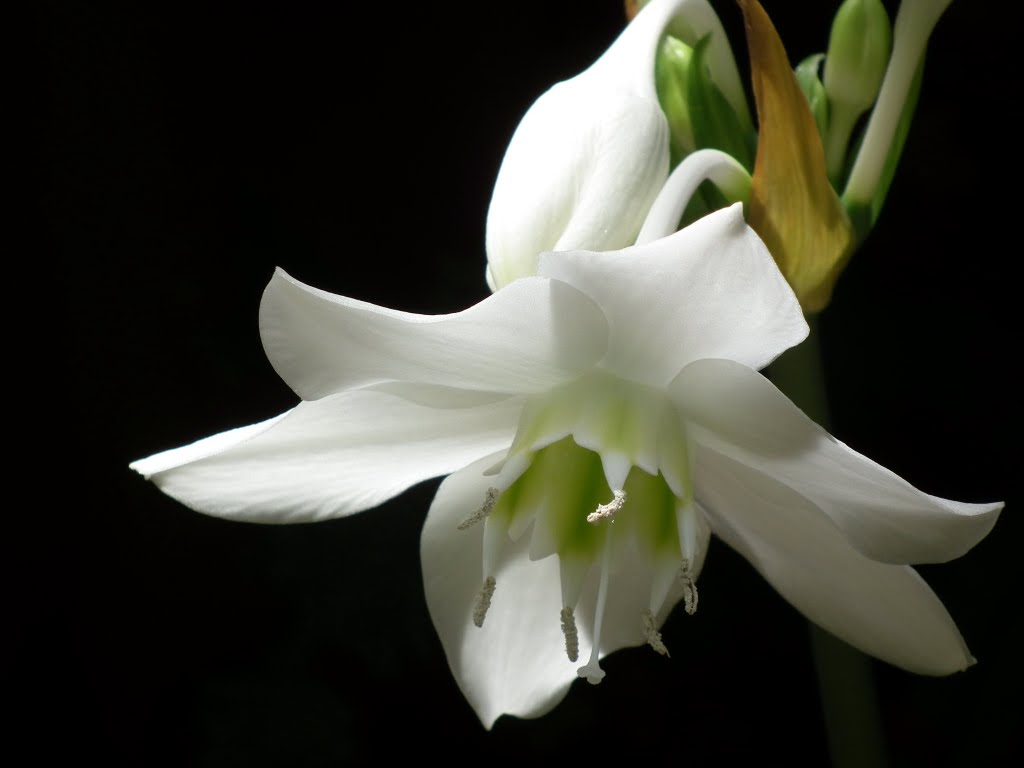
(858, 53)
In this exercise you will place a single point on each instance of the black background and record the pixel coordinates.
(187, 150)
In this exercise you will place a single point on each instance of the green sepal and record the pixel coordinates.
(715, 123)
(810, 83)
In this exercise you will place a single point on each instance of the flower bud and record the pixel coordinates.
(591, 154)
(583, 167)
(587, 160)
(858, 52)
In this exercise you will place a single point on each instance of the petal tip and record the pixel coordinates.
(138, 466)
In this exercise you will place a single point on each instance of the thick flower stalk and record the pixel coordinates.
(600, 420)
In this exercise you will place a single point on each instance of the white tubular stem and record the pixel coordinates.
(914, 24)
(713, 165)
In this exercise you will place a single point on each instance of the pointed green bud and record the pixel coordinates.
(810, 83)
(858, 52)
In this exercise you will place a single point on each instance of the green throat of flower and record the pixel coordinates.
(599, 475)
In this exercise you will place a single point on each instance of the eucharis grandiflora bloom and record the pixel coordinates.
(600, 420)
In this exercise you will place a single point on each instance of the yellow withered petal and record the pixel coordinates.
(792, 205)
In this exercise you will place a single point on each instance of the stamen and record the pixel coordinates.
(489, 501)
(689, 587)
(607, 511)
(572, 638)
(652, 635)
(483, 601)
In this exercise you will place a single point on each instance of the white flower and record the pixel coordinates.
(607, 411)
(592, 153)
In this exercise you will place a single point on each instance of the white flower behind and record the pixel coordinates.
(601, 421)
(589, 157)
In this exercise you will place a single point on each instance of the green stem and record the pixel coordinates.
(845, 677)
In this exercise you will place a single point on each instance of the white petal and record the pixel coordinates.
(332, 457)
(591, 154)
(741, 414)
(884, 610)
(523, 339)
(515, 663)
(710, 290)
(629, 594)
(581, 171)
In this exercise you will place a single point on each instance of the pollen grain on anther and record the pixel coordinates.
(689, 587)
(483, 601)
(608, 511)
(489, 501)
(572, 638)
(652, 635)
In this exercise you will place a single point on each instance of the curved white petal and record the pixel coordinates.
(583, 167)
(589, 157)
(523, 339)
(515, 663)
(332, 457)
(884, 610)
(739, 413)
(591, 154)
(710, 290)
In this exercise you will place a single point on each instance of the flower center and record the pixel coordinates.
(599, 475)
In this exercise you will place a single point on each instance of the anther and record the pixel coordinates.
(572, 638)
(652, 635)
(689, 587)
(607, 511)
(483, 601)
(489, 501)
